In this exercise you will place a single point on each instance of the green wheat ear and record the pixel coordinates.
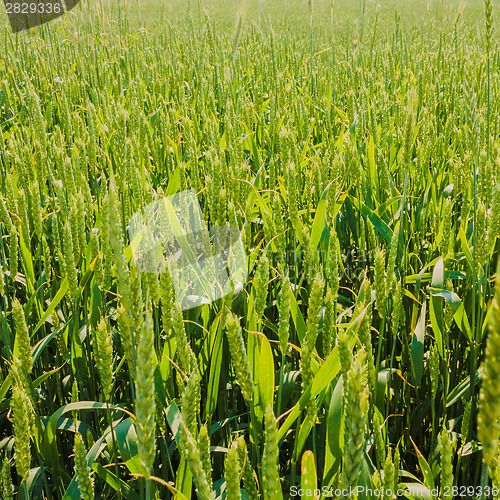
(2, 280)
(488, 12)
(345, 356)
(21, 421)
(488, 426)
(284, 315)
(104, 357)
(248, 472)
(22, 336)
(446, 476)
(13, 253)
(390, 475)
(379, 439)
(270, 469)
(356, 410)
(191, 453)
(380, 280)
(144, 400)
(82, 471)
(204, 446)
(232, 474)
(310, 337)
(7, 488)
(239, 356)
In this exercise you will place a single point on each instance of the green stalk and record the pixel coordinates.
(312, 50)
(115, 447)
(393, 353)
(488, 111)
(280, 388)
(253, 422)
(474, 292)
(295, 446)
(484, 480)
(381, 336)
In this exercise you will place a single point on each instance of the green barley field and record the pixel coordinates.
(354, 145)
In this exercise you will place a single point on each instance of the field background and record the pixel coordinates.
(356, 149)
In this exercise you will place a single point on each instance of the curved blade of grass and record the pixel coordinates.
(308, 478)
(49, 444)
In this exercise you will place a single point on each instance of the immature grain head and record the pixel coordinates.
(488, 426)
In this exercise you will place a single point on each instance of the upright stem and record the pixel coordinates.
(280, 388)
(312, 51)
(473, 351)
(113, 437)
(488, 110)
(484, 480)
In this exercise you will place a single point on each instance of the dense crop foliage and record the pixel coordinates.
(355, 148)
